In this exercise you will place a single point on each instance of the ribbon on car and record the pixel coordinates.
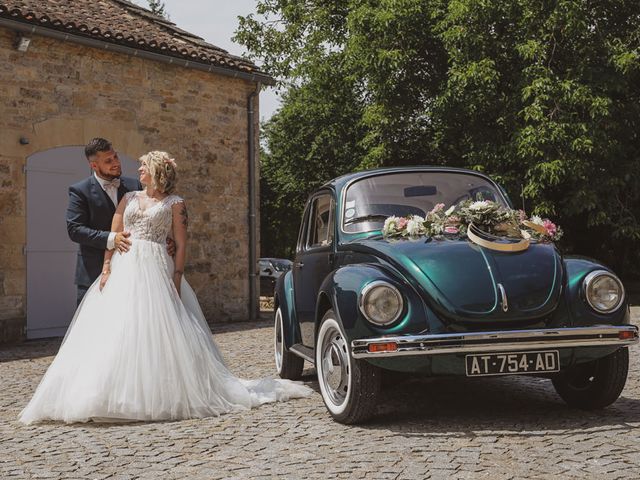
(492, 242)
(534, 226)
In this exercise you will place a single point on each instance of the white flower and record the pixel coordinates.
(418, 218)
(390, 225)
(526, 235)
(537, 220)
(480, 205)
(413, 226)
(437, 228)
(450, 210)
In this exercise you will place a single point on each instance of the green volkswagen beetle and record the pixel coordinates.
(358, 301)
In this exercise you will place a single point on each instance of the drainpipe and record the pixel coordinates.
(253, 261)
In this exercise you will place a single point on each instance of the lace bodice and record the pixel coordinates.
(153, 223)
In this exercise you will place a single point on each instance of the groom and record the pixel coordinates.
(92, 203)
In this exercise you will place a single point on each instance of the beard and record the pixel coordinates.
(108, 173)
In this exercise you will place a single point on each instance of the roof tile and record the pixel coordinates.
(125, 23)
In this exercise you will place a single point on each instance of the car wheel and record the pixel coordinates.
(349, 387)
(595, 384)
(288, 364)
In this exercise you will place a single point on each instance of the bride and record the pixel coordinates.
(139, 347)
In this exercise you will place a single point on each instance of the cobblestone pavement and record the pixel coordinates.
(500, 428)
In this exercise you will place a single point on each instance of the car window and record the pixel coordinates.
(369, 201)
(320, 222)
(304, 228)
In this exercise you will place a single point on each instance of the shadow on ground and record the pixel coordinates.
(517, 405)
(458, 406)
(30, 349)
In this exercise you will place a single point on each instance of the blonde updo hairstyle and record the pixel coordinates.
(162, 170)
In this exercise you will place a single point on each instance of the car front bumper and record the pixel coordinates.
(497, 341)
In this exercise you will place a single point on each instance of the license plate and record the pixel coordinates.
(512, 363)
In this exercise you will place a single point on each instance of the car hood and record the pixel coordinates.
(465, 281)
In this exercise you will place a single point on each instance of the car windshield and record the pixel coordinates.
(370, 201)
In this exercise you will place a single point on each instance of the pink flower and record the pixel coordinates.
(437, 208)
(451, 229)
(522, 216)
(402, 223)
(550, 227)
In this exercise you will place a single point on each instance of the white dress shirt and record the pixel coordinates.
(113, 195)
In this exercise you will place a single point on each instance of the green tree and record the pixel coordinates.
(544, 96)
(309, 142)
(158, 7)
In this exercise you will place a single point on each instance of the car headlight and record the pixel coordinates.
(380, 303)
(604, 292)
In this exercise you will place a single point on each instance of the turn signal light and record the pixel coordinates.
(627, 335)
(383, 347)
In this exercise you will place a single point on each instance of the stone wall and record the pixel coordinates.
(60, 93)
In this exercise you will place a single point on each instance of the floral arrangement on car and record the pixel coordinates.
(484, 222)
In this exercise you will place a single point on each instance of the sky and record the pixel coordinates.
(216, 21)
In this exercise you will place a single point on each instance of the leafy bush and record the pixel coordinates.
(543, 96)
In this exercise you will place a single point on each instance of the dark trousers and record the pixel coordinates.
(81, 292)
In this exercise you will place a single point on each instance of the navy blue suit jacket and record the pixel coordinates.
(89, 217)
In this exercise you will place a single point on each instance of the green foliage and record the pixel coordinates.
(543, 96)
(158, 7)
(310, 142)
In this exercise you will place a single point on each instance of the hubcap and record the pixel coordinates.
(278, 341)
(335, 366)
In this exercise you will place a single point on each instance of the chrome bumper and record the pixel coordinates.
(500, 341)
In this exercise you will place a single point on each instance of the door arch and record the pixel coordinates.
(50, 254)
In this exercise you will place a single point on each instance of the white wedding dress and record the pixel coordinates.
(138, 351)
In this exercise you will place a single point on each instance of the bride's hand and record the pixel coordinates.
(103, 279)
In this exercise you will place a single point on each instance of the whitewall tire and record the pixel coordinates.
(288, 365)
(349, 387)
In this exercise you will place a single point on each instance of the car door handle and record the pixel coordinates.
(298, 264)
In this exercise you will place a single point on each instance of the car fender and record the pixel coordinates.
(577, 268)
(285, 299)
(341, 289)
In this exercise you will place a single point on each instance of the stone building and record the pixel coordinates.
(76, 69)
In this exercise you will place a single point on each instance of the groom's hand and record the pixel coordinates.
(122, 242)
(171, 247)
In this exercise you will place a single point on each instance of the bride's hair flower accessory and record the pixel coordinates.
(171, 162)
(485, 222)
